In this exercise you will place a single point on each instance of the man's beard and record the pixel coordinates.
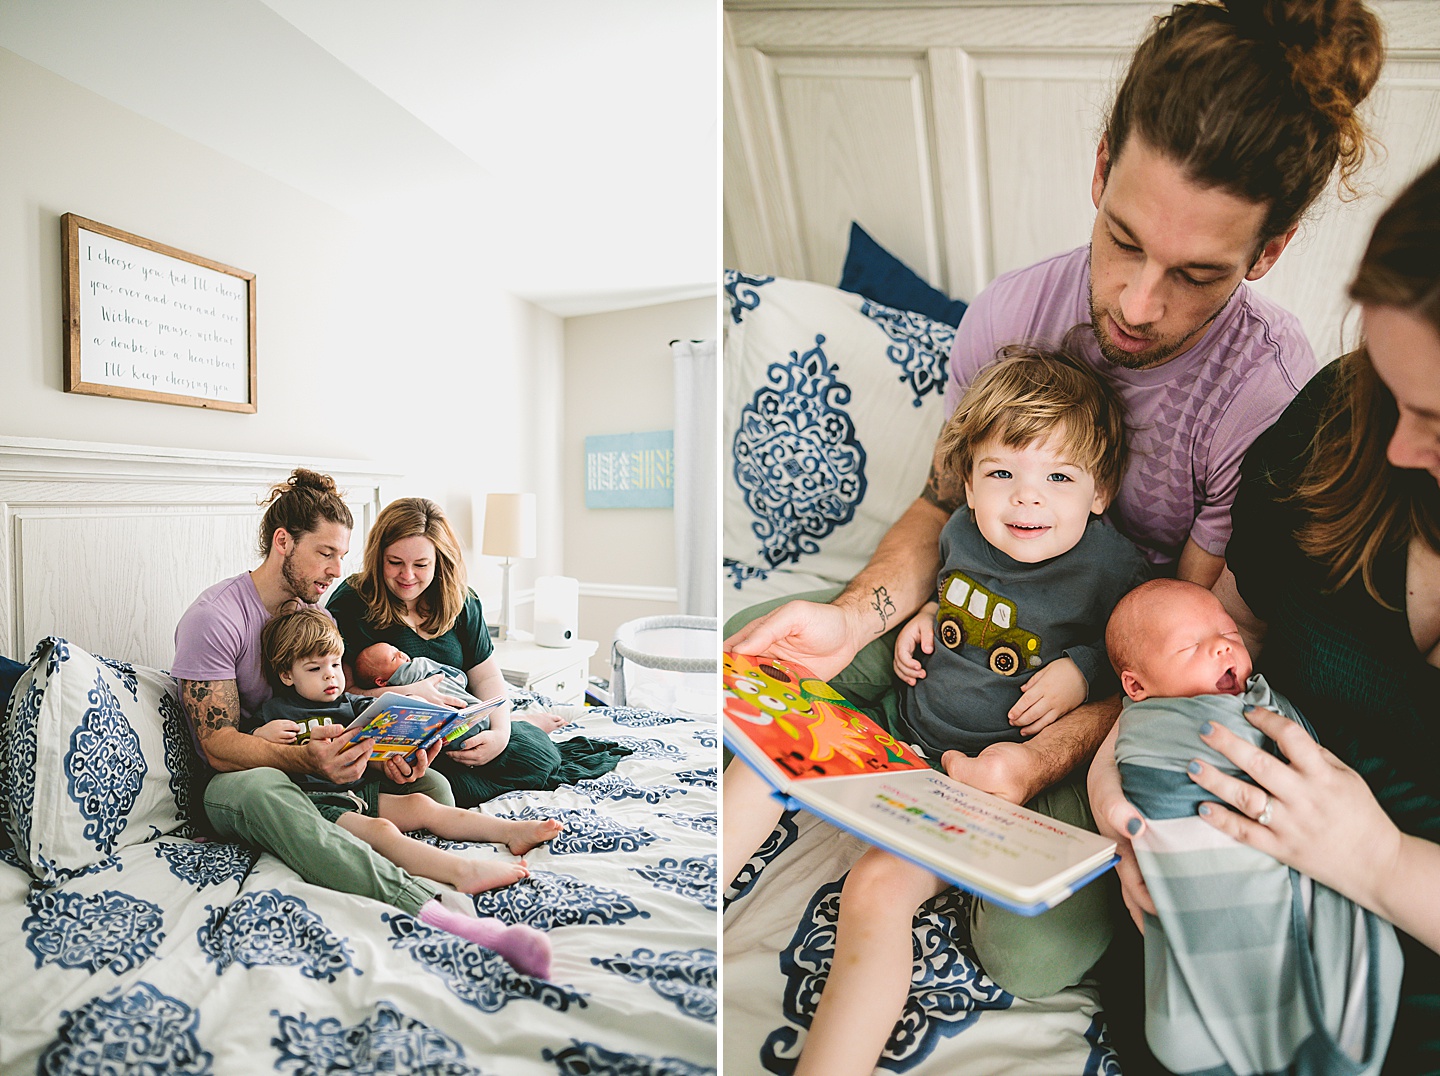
(299, 587)
(1159, 352)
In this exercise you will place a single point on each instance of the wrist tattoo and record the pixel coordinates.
(882, 604)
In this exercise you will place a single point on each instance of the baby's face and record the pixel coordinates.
(379, 662)
(1031, 503)
(1194, 649)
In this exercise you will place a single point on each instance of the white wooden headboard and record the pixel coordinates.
(961, 134)
(106, 545)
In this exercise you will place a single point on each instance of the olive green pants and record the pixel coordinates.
(1030, 956)
(263, 807)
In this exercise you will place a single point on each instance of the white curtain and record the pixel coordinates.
(697, 488)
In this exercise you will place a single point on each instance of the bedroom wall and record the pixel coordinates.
(619, 378)
(381, 339)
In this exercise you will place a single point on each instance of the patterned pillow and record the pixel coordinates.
(832, 406)
(96, 756)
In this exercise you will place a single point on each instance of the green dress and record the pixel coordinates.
(531, 760)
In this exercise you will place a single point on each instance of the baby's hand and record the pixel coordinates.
(278, 731)
(1051, 693)
(918, 631)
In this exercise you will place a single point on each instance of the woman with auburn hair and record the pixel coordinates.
(412, 594)
(1335, 567)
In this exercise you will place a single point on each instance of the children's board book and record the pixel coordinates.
(400, 725)
(822, 755)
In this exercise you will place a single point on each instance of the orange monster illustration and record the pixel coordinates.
(803, 723)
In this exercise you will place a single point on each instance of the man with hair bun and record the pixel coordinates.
(247, 791)
(1231, 120)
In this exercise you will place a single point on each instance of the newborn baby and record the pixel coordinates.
(383, 665)
(1250, 965)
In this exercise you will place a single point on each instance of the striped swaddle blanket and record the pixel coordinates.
(1251, 968)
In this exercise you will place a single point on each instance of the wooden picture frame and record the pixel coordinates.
(145, 321)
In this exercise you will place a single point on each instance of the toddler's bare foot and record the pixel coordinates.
(478, 875)
(1001, 769)
(528, 834)
(546, 722)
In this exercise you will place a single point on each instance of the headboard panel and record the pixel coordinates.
(106, 545)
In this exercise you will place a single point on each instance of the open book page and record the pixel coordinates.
(969, 837)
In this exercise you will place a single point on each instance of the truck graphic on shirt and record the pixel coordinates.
(969, 613)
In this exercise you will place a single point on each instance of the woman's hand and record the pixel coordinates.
(1117, 819)
(1323, 819)
(919, 631)
(483, 747)
(1048, 695)
(404, 770)
(486, 682)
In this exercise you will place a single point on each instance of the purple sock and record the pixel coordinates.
(527, 949)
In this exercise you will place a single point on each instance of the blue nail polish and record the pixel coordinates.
(1205, 809)
(1193, 767)
(1133, 826)
(1206, 729)
(1248, 709)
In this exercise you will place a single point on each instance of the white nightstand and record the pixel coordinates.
(559, 672)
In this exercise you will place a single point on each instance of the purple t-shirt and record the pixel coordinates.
(1191, 420)
(218, 638)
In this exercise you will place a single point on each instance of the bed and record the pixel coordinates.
(911, 153)
(131, 947)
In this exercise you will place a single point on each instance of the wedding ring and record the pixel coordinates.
(1264, 816)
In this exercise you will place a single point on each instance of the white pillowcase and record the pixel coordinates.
(96, 756)
(832, 404)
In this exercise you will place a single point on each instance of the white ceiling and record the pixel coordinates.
(579, 138)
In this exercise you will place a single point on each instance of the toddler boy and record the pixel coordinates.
(302, 652)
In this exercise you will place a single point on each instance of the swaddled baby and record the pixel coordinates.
(383, 665)
(1251, 968)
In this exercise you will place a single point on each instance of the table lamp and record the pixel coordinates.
(509, 533)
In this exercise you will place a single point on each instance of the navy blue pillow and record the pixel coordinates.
(872, 271)
(9, 673)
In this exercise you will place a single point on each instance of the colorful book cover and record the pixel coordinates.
(804, 725)
(401, 725)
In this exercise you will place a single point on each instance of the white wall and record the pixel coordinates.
(619, 378)
(390, 340)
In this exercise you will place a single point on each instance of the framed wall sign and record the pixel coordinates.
(148, 322)
(630, 470)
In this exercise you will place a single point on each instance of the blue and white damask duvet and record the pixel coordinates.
(779, 941)
(172, 956)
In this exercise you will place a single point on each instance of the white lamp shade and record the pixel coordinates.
(509, 525)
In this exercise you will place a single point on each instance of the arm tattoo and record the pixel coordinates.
(210, 705)
(943, 490)
(882, 604)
